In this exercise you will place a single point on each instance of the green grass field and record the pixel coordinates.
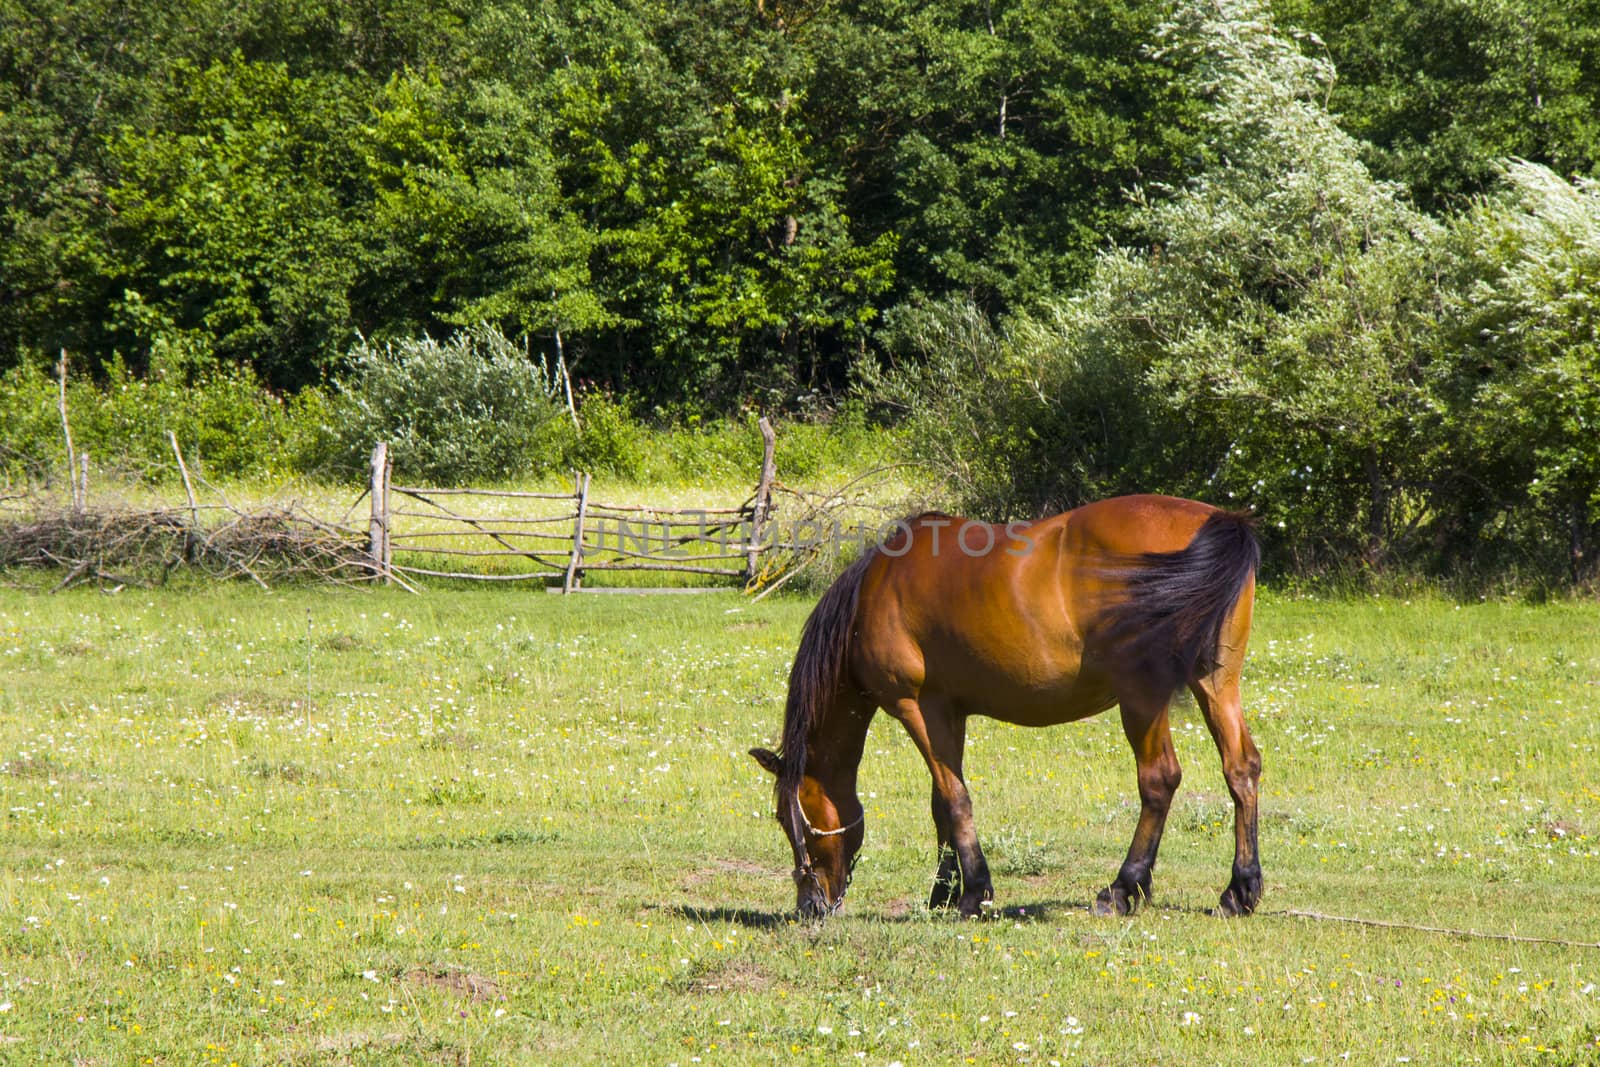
(324, 826)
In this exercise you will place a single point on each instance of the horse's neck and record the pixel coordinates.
(833, 751)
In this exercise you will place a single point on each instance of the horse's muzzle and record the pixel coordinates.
(814, 906)
(811, 900)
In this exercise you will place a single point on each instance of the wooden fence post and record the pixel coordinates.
(575, 562)
(191, 537)
(761, 508)
(378, 528)
(80, 489)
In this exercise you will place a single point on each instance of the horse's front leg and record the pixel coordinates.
(963, 875)
(1145, 722)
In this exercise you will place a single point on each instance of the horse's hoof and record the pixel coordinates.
(1112, 901)
(1231, 907)
(1238, 900)
(1242, 895)
(979, 907)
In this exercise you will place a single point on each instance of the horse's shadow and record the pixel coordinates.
(1038, 911)
(1050, 910)
(749, 918)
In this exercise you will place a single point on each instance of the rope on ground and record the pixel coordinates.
(1320, 917)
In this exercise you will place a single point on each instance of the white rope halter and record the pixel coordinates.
(828, 833)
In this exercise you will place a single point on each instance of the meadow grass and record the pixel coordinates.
(336, 826)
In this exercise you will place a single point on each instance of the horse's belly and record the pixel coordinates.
(1029, 694)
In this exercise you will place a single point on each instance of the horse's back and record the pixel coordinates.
(1003, 630)
(1127, 526)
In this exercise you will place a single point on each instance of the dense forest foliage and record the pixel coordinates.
(706, 198)
(703, 198)
(1332, 260)
(1293, 333)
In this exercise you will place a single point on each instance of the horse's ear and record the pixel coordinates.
(769, 760)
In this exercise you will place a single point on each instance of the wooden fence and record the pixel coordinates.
(511, 536)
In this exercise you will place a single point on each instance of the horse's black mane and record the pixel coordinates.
(819, 666)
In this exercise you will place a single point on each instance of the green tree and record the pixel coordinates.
(1291, 295)
(1261, 345)
(230, 236)
(468, 224)
(1443, 90)
(724, 244)
(1520, 367)
(996, 138)
(90, 86)
(70, 74)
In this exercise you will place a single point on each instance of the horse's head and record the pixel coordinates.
(824, 847)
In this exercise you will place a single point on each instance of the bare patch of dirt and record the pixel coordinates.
(1562, 829)
(899, 909)
(451, 739)
(343, 643)
(43, 765)
(742, 866)
(243, 702)
(722, 866)
(355, 1041)
(736, 976)
(463, 985)
(292, 773)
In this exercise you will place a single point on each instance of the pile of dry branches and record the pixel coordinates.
(121, 547)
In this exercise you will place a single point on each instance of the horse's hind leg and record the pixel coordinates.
(1218, 697)
(939, 733)
(1144, 720)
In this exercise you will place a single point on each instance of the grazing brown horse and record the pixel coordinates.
(1120, 602)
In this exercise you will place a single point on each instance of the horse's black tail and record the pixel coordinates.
(819, 666)
(1170, 616)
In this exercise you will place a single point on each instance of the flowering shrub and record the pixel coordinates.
(476, 406)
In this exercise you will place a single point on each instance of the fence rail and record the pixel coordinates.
(400, 533)
(719, 542)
